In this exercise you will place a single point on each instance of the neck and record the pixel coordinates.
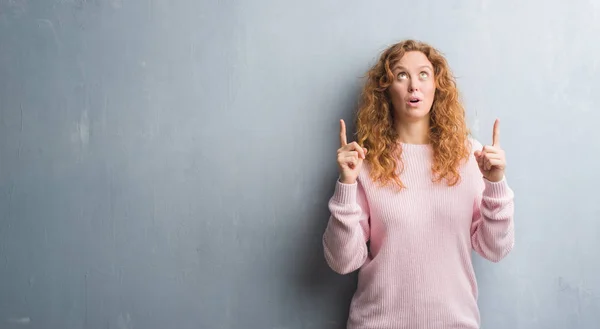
(413, 132)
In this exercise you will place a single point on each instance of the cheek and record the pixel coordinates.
(429, 90)
(397, 91)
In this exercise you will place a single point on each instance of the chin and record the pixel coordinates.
(415, 114)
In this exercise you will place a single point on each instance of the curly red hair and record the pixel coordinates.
(375, 119)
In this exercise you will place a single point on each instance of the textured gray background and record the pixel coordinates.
(167, 164)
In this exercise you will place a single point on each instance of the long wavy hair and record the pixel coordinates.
(375, 119)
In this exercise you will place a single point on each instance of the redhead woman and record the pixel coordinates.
(415, 195)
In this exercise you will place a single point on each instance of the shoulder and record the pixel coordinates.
(364, 173)
(473, 144)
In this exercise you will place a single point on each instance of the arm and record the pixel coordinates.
(348, 230)
(492, 230)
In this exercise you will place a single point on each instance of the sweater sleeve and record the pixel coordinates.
(348, 230)
(492, 230)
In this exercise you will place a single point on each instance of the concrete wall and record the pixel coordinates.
(167, 164)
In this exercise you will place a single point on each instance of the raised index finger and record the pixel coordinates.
(343, 140)
(496, 133)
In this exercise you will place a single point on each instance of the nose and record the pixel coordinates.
(413, 85)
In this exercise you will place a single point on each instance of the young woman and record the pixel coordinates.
(415, 195)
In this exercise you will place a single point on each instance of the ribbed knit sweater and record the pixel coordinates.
(416, 271)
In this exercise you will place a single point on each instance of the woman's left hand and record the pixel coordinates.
(491, 159)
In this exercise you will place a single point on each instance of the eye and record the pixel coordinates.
(424, 75)
(402, 75)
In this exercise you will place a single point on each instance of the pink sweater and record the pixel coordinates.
(417, 272)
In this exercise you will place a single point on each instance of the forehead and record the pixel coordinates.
(414, 59)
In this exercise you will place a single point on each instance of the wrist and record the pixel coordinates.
(347, 181)
(495, 178)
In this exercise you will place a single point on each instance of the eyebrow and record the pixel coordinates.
(403, 68)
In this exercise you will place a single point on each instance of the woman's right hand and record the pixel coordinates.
(349, 157)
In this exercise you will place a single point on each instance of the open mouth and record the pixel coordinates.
(414, 100)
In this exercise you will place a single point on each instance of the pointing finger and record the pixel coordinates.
(343, 140)
(496, 133)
